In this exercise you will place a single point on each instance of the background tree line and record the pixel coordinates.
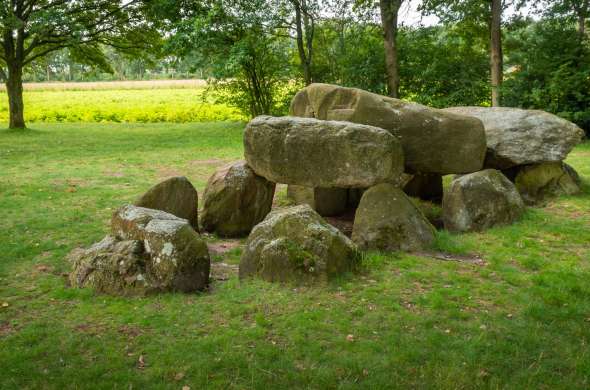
(257, 53)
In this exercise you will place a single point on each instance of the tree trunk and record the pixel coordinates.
(304, 58)
(496, 62)
(582, 27)
(389, 12)
(14, 88)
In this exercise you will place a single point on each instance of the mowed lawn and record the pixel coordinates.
(518, 319)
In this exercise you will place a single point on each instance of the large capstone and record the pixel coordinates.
(434, 141)
(235, 200)
(387, 220)
(481, 200)
(176, 196)
(149, 251)
(517, 137)
(314, 153)
(538, 182)
(295, 244)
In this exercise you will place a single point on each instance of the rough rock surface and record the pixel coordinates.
(539, 182)
(235, 200)
(426, 186)
(326, 201)
(314, 153)
(517, 137)
(433, 141)
(296, 244)
(176, 196)
(387, 220)
(481, 200)
(149, 251)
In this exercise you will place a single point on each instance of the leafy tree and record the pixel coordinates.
(550, 70)
(579, 10)
(304, 22)
(443, 66)
(239, 41)
(32, 29)
(350, 53)
(478, 14)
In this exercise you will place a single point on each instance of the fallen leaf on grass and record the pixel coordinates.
(179, 376)
(4, 304)
(186, 388)
(141, 362)
(350, 338)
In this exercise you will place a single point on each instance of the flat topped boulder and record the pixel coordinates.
(315, 153)
(517, 137)
(148, 251)
(176, 196)
(235, 200)
(433, 141)
(481, 200)
(295, 244)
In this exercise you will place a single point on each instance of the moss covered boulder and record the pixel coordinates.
(481, 200)
(433, 141)
(314, 153)
(387, 220)
(176, 196)
(111, 266)
(235, 200)
(149, 251)
(539, 182)
(295, 244)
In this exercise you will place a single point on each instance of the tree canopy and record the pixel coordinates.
(257, 53)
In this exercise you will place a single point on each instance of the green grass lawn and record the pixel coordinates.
(520, 320)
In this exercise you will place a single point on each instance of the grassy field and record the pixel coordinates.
(518, 319)
(176, 101)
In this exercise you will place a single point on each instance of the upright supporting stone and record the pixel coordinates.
(481, 200)
(326, 201)
(539, 182)
(426, 186)
(296, 244)
(176, 196)
(387, 220)
(235, 200)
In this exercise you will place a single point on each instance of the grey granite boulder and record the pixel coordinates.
(235, 200)
(538, 182)
(481, 200)
(176, 196)
(387, 220)
(314, 153)
(517, 137)
(149, 251)
(433, 141)
(295, 244)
